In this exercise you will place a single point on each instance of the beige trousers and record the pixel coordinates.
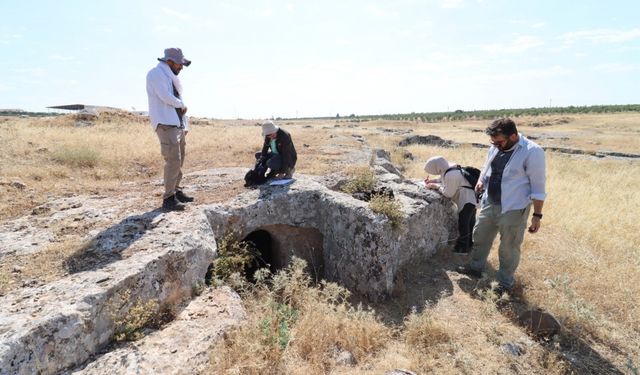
(172, 147)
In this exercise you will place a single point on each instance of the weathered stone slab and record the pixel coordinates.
(183, 346)
(59, 325)
(360, 250)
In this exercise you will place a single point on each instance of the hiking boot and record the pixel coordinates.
(182, 197)
(500, 290)
(172, 204)
(466, 270)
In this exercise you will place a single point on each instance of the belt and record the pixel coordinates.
(173, 126)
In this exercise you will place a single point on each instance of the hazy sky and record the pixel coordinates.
(257, 59)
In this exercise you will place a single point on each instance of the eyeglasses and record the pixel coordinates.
(500, 142)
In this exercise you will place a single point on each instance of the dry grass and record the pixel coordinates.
(389, 207)
(360, 179)
(296, 328)
(46, 265)
(51, 156)
(583, 266)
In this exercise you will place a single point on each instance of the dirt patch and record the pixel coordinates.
(543, 123)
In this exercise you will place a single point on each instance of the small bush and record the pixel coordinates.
(388, 206)
(361, 179)
(77, 157)
(142, 314)
(233, 257)
(198, 288)
(276, 327)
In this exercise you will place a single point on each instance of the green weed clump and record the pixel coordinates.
(276, 327)
(233, 257)
(388, 206)
(81, 157)
(139, 316)
(361, 179)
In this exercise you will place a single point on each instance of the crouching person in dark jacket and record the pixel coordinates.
(278, 151)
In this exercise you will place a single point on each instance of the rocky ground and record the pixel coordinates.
(114, 266)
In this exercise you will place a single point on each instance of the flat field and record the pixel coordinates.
(583, 266)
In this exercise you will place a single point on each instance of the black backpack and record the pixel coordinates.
(471, 174)
(256, 176)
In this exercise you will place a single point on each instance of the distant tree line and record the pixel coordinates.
(22, 113)
(458, 115)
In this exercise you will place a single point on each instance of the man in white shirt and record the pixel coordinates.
(167, 112)
(512, 181)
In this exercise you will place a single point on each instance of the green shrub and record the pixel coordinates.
(388, 206)
(276, 327)
(77, 157)
(140, 315)
(361, 179)
(233, 257)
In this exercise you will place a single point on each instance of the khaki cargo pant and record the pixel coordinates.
(511, 226)
(172, 147)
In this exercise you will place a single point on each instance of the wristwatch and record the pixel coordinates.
(539, 216)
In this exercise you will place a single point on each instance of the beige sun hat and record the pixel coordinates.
(268, 127)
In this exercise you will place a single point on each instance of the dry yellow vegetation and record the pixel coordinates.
(583, 266)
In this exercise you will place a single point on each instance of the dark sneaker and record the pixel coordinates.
(182, 197)
(466, 270)
(172, 204)
(502, 293)
(501, 289)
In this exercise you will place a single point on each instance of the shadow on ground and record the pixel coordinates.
(576, 352)
(423, 281)
(108, 245)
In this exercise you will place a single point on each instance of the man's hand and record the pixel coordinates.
(479, 187)
(433, 186)
(183, 110)
(535, 224)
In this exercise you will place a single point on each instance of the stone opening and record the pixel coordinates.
(341, 238)
(261, 242)
(276, 245)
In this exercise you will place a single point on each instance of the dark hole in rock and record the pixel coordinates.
(367, 195)
(261, 242)
(276, 244)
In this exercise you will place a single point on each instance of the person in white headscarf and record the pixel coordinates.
(452, 184)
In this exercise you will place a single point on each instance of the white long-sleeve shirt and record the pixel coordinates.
(162, 101)
(523, 178)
